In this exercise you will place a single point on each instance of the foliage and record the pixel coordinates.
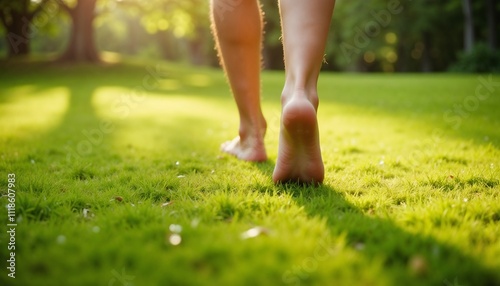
(359, 39)
(393, 35)
(480, 60)
(410, 197)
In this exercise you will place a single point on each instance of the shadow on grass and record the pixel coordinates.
(375, 237)
(80, 128)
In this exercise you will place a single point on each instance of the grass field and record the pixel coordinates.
(119, 181)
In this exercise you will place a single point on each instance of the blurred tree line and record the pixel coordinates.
(365, 35)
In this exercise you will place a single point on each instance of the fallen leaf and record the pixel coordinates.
(418, 265)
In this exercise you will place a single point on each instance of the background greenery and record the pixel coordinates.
(366, 35)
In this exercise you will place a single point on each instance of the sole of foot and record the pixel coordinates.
(299, 154)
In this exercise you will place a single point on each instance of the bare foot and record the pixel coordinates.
(299, 155)
(249, 146)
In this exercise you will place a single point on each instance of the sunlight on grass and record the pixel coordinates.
(26, 111)
(198, 80)
(122, 103)
(169, 84)
(406, 199)
(147, 120)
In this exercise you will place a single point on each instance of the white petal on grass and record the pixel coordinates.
(175, 228)
(61, 239)
(175, 239)
(359, 246)
(254, 232)
(166, 204)
(195, 222)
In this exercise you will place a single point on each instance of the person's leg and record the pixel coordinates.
(238, 36)
(305, 27)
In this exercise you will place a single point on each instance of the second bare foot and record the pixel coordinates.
(249, 146)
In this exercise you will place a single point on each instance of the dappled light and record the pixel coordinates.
(26, 111)
(198, 80)
(122, 104)
(155, 121)
(163, 142)
(170, 84)
(380, 36)
(135, 159)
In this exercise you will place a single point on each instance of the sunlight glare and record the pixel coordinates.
(27, 111)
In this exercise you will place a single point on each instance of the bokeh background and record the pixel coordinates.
(366, 35)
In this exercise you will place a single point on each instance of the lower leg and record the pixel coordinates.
(238, 33)
(305, 27)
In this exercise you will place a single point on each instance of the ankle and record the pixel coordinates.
(299, 94)
(252, 128)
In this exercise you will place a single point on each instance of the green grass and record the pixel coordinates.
(411, 195)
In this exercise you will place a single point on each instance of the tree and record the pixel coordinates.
(81, 46)
(492, 25)
(272, 47)
(468, 26)
(178, 25)
(385, 35)
(17, 17)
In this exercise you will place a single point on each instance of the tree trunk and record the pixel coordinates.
(402, 63)
(18, 34)
(81, 46)
(426, 63)
(17, 21)
(492, 25)
(273, 57)
(468, 26)
(196, 55)
(168, 48)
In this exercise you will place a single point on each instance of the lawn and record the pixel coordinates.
(119, 181)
